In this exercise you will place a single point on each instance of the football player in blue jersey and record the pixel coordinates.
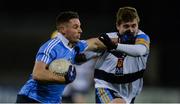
(44, 86)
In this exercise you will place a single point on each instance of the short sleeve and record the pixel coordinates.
(46, 53)
(82, 45)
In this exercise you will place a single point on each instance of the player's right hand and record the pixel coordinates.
(104, 38)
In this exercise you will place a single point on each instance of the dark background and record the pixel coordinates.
(26, 25)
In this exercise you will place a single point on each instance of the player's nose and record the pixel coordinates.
(80, 30)
(131, 30)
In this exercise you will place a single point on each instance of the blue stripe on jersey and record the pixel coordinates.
(48, 49)
(144, 36)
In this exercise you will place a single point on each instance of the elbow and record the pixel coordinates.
(139, 53)
(36, 76)
(140, 50)
(39, 72)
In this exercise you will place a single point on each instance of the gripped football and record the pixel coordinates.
(60, 66)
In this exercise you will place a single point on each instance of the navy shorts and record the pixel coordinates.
(25, 99)
(105, 95)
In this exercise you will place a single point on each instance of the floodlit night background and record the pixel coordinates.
(26, 25)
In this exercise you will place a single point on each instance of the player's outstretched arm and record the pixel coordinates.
(94, 48)
(94, 44)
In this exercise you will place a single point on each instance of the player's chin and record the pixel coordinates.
(76, 40)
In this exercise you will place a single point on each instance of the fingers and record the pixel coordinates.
(107, 41)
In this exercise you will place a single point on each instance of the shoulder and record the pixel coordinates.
(142, 35)
(51, 43)
(82, 44)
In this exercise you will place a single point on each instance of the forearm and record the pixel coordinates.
(133, 50)
(49, 77)
(43, 75)
(90, 54)
(94, 44)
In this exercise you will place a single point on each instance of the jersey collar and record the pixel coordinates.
(64, 40)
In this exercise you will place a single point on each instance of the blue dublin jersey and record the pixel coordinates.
(53, 49)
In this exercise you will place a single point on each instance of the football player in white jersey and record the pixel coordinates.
(119, 70)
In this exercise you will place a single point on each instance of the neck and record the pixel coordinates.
(71, 44)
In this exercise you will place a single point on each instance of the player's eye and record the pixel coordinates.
(134, 25)
(126, 26)
(75, 26)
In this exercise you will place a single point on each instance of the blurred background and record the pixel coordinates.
(25, 25)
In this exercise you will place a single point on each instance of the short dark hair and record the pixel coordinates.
(126, 14)
(65, 17)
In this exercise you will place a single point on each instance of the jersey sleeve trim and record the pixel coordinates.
(46, 53)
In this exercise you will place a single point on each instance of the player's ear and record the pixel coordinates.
(117, 26)
(62, 28)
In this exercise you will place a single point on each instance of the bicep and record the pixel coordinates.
(39, 67)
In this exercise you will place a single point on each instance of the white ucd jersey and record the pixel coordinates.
(109, 62)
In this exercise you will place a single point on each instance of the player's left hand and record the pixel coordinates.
(107, 41)
(80, 58)
(70, 75)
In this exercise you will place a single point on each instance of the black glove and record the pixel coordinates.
(70, 75)
(77, 49)
(107, 41)
(127, 37)
(80, 58)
